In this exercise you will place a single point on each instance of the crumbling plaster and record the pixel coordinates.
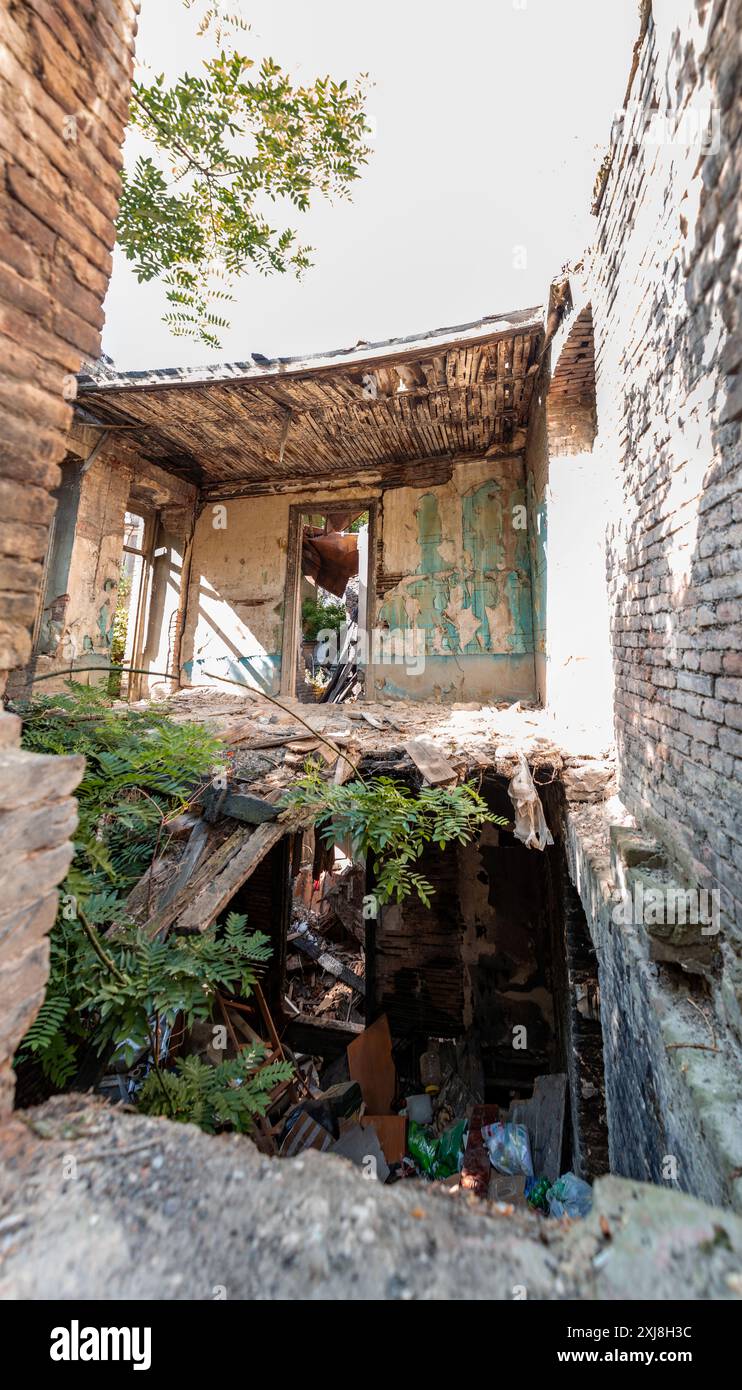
(452, 570)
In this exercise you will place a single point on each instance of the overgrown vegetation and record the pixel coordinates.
(227, 142)
(111, 986)
(114, 988)
(318, 616)
(392, 824)
(231, 1094)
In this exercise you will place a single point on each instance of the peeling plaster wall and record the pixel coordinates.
(537, 478)
(454, 580)
(236, 591)
(452, 575)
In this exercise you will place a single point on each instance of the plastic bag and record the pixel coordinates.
(570, 1196)
(437, 1155)
(530, 823)
(450, 1148)
(536, 1193)
(422, 1145)
(508, 1148)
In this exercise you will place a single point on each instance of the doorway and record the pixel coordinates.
(328, 607)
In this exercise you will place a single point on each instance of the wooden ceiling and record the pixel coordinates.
(457, 391)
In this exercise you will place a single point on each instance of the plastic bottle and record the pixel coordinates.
(430, 1068)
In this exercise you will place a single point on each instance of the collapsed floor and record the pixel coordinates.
(516, 938)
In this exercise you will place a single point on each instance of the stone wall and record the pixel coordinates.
(671, 1081)
(664, 286)
(65, 73)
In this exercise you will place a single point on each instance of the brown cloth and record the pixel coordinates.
(329, 559)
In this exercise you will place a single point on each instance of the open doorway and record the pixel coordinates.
(326, 635)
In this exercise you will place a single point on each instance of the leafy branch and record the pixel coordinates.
(226, 143)
(388, 822)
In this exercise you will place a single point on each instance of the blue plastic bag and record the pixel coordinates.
(570, 1196)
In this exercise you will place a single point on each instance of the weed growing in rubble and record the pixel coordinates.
(392, 824)
(111, 985)
(231, 1094)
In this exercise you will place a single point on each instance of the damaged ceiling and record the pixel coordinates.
(453, 392)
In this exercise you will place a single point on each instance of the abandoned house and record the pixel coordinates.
(506, 552)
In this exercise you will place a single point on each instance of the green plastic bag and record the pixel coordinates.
(422, 1144)
(437, 1155)
(450, 1145)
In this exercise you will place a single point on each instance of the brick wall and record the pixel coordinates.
(665, 286)
(65, 73)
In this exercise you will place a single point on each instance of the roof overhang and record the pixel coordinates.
(455, 392)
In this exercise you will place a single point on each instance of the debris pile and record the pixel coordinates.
(442, 1132)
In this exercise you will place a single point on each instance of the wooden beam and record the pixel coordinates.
(216, 894)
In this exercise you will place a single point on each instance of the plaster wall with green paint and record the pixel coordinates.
(455, 576)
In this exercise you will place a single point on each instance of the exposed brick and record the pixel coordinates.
(59, 201)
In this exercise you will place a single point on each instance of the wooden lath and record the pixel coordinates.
(438, 398)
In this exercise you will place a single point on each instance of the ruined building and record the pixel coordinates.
(550, 568)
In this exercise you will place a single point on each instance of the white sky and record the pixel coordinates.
(491, 117)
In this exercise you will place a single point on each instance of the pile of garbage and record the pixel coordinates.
(442, 1132)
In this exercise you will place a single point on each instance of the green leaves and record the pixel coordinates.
(226, 142)
(168, 979)
(317, 617)
(387, 821)
(111, 985)
(228, 1095)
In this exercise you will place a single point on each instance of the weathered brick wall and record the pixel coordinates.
(665, 287)
(65, 74)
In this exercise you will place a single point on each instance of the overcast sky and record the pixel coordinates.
(491, 117)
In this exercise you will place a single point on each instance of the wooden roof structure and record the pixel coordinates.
(257, 425)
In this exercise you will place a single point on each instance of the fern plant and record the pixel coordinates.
(392, 824)
(229, 1095)
(110, 985)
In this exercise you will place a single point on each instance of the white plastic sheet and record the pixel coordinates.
(530, 822)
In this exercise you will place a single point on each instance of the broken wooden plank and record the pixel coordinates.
(437, 771)
(370, 1063)
(391, 1132)
(344, 767)
(306, 942)
(163, 918)
(322, 1037)
(371, 719)
(206, 903)
(194, 852)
